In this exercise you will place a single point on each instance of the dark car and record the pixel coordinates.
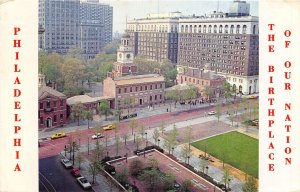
(76, 172)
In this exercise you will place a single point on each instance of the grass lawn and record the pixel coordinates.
(238, 150)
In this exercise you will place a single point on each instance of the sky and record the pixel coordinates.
(140, 8)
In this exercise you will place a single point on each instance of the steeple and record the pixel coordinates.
(124, 64)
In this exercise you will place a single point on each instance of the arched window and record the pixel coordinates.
(191, 28)
(195, 28)
(254, 29)
(209, 29)
(204, 29)
(226, 28)
(215, 28)
(182, 28)
(238, 29)
(231, 29)
(186, 28)
(221, 29)
(244, 29)
(199, 28)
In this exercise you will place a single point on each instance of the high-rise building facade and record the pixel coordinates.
(226, 43)
(75, 24)
(155, 37)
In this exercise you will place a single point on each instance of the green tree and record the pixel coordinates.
(188, 136)
(208, 92)
(88, 115)
(227, 90)
(155, 135)
(203, 163)
(142, 130)
(123, 175)
(186, 186)
(104, 108)
(186, 152)
(118, 113)
(151, 178)
(117, 145)
(128, 102)
(173, 95)
(162, 128)
(111, 48)
(168, 182)
(77, 111)
(250, 185)
(133, 123)
(125, 137)
(75, 53)
(79, 159)
(73, 74)
(153, 163)
(189, 94)
(135, 167)
(218, 109)
(226, 178)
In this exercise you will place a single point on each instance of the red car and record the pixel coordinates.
(76, 172)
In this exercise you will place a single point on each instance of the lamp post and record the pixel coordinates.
(158, 140)
(73, 151)
(134, 138)
(88, 139)
(146, 135)
(188, 157)
(206, 170)
(65, 151)
(107, 153)
(172, 150)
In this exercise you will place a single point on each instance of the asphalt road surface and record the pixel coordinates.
(54, 177)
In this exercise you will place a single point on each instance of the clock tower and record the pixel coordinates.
(124, 65)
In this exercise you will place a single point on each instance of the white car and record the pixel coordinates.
(211, 113)
(84, 182)
(97, 136)
(67, 164)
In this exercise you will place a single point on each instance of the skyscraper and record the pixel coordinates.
(74, 24)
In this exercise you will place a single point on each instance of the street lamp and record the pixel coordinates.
(107, 153)
(172, 150)
(207, 170)
(146, 135)
(158, 140)
(188, 157)
(146, 143)
(134, 138)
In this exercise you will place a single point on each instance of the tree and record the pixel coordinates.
(188, 136)
(208, 92)
(123, 175)
(133, 123)
(189, 94)
(218, 109)
(186, 152)
(79, 159)
(250, 185)
(88, 115)
(162, 128)
(116, 127)
(77, 111)
(136, 167)
(203, 163)
(138, 141)
(128, 101)
(111, 48)
(153, 163)
(117, 143)
(151, 178)
(230, 113)
(125, 137)
(98, 151)
(118, 113)
(227, 90)
(168, 182)
(142, 130)
(173, 95)
(73, 74)
(75, 53)
(186, 186)
(226, 179)
(104, 108)
(155, 135)
(170, 141)
(95, 167)
(255, 110)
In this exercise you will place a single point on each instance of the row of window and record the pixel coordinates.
(140, 88)
(49, 104)
(61, 119)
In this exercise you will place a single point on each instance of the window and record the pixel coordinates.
(54, 118)
(125, 90)
(119, 90)
(41, 105)
(61, 102)
(155, 86)
(54, 104)
(244, 29)
(150, 87)
(42, 121)
(61, 117)
(231, 29)
(130, 89)
(238, 29)
(136, 89)
(145, 87)
(141, 88)
(48, 104)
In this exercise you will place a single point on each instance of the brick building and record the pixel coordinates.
(145, 89)
(123, 82)
(202, 78)
(52, 106)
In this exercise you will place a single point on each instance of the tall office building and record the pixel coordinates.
(225, 43)
(75, 24)
(155, 37)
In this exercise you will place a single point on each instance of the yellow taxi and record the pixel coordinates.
(108, 127)
(58, 135)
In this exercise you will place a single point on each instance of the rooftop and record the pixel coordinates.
(84, 99)
(138, 79)
(45, 91)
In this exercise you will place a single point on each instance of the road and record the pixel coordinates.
(51, 175)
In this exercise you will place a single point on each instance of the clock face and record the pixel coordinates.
(120, 55)
(128, 56)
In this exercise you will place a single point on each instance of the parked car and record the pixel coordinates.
(97, 136)
(108, 127)
(66, 163)
(58, 135)
(84, 182)
(211, 113)
(76, 172)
